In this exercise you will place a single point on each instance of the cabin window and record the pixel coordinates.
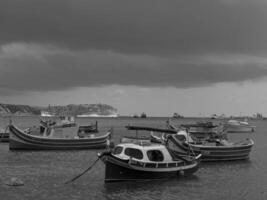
(135, 153)
(117, 150)
(155, 155)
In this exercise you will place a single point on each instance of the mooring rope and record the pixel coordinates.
(78, 176)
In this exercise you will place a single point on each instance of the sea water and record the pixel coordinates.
(44, 172)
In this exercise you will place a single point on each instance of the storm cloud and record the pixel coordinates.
(54, 45)
(34, 67)
(151, 26)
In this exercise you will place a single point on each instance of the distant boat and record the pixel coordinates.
(47, 114)
(98, 115)
(143, 115)
(141, 160)
(235, 126)
(55, 139)
(177, 116)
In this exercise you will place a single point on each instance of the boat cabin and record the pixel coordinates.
(151, 153)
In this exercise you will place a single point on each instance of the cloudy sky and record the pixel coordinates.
(192, 57)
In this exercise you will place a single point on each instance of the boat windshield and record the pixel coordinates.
(155, 155)
(117, 150)
(135, 153)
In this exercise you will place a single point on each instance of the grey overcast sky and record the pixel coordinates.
(160, 57)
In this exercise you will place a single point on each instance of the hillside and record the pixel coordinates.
(72, 109)
(82, 109)
(25, 110)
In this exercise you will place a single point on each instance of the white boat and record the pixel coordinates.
(46, 114)
(235, 126)
(97, 115)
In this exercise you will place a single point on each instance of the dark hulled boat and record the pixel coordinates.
(50, 140)
(4, 137)
(4, 134)
(133, 162)
(139, 159)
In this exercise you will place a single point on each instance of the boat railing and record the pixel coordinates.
(157, 164)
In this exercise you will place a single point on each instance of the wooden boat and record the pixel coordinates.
(83, 129)
(133, 162)
(199, 130)
(235, 126)
(55, 139)
(4, 134)
(91, 128)
(211, 150)
(135, 139)
(153, 138)
(45, 124)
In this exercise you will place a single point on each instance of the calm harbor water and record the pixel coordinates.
(44, 172)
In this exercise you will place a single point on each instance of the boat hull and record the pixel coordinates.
(239, 129)
(121, 170)
(18, 140)
(214, 153)
(4, 137)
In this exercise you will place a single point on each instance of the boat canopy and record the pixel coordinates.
(153, 153)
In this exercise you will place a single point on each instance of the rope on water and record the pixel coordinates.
(78, 176)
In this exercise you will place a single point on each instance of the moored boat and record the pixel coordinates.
(55, 139)
(235, 126)
(211, 150)
(136, 161)
(91, 128)
(83, 129)
(199, 130)
(135, 139)
(4, 135)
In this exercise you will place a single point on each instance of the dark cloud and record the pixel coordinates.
(127, 26)
(62, 44)
(27, 67)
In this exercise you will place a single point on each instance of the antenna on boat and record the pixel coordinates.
(10, 120)
(96, 125)
(189, 146)
(136, 133)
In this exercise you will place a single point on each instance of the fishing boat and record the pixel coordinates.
(55, 139)
(199, 130)
(134, 139)
(139, 161)
(45, 124)
(4, 135)
(91, 128)
(235, 126)
(153, 138)
(211, 150)
(83, 129)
